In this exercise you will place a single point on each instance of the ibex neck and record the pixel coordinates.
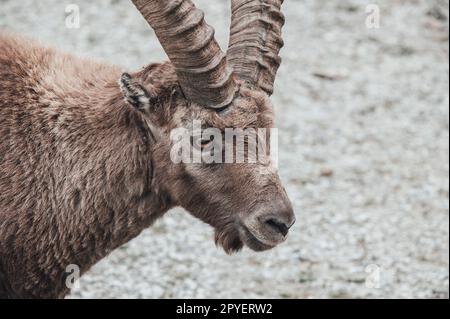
(112, 190)
(91, 191)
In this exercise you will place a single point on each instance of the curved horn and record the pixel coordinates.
(255, 41)
(189, 42)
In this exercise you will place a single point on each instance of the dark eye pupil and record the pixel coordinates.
(199, 142)
(205, 142)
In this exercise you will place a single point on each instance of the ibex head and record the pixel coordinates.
(245, 202)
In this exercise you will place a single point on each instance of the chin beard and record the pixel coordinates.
(228, 237)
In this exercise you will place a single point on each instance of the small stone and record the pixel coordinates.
(326, 172)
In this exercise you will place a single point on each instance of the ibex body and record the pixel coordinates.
(85, 149)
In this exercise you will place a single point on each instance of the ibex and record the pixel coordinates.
(84, 147)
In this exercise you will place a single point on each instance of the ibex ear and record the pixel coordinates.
(135, 93)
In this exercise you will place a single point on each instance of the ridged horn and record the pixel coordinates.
(256, 40)
(189, 42)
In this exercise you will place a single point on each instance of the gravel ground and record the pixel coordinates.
(364, 131)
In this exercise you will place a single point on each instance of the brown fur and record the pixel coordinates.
(82, 171)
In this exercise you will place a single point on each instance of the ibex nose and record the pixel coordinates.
(280, 224)
(277, 225)
(270, 225)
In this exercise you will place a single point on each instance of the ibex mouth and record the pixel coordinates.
(252, 241)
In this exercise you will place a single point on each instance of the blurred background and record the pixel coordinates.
(363, 118)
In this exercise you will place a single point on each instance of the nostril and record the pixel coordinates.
(278, 226)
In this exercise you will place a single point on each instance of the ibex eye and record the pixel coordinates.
(205, 142)
(200, 143)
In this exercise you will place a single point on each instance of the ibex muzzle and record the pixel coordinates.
(268, 226)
